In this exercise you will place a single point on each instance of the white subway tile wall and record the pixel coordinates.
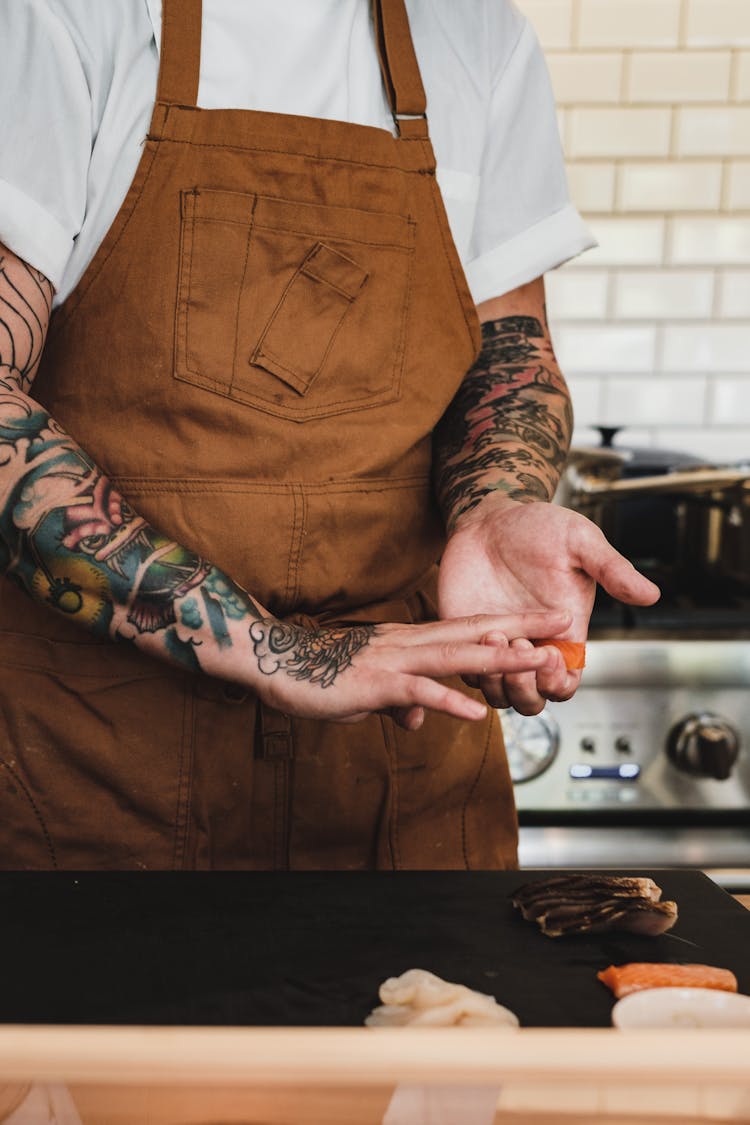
(653, 327)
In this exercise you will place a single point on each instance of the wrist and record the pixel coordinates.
(493, 504)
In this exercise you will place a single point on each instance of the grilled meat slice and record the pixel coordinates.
(575, 887)
(637, 915)
(577, 904)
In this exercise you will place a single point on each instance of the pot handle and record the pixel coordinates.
(697, 480)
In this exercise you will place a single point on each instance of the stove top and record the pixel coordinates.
(657, 726)
(649, 759)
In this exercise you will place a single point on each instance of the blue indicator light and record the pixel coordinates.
(627, 771)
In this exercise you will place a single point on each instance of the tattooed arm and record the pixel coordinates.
(72, 542)
(499, 452)
(508, 430)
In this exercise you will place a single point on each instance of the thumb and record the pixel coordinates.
(616, 574)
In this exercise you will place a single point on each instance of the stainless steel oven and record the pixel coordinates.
(648, 765)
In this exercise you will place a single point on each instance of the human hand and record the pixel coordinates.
(532, 557)
(343, 673)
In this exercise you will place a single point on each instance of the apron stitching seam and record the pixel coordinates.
(136, 485)
(182, 811)
(189, 296)
(470, 794)
(313, 413)
(52, 667)
(289, 781)
(396, 246)
(451, 265)
(295, 545)
(428, 170)
(29, 797)
(70, 306)
(185, 267)
(400, 358)
(394, 850)
(236, 343)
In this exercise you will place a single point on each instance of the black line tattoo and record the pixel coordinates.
(25, 304)
(508, 428)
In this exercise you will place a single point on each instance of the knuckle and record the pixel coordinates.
(449, 652)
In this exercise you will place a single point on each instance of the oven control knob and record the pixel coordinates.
(531, 743)
(703, 744)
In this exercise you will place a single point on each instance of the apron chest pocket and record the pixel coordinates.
(296, 309)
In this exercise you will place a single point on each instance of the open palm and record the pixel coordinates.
(510, 557)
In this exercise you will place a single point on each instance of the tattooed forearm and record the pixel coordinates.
(508, 428)
(71, 541)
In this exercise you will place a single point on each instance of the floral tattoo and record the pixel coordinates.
(317, 655)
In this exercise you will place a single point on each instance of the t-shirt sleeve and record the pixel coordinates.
(45, 136)
(525, 223)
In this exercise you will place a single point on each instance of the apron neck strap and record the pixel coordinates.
(180, 60)
(180, 52)
(400, 69)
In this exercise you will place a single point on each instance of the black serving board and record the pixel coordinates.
(310, 949)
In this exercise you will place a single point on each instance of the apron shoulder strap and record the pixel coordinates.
(180, 55)
(400, 69)
(180, 52)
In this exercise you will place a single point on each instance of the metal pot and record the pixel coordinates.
(684, 523)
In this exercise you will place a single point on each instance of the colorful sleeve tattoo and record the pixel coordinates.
(72, 542)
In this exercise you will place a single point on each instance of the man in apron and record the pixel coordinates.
(255, 363)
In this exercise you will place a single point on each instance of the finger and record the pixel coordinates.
(555, 681)
(492, 686)
(493, 690)
(618, 576)
(534, 624)
(561, 694)
(409, 718)
(521, 689)
(421, 692)
(470, 659)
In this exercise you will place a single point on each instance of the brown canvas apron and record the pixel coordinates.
(257, 356)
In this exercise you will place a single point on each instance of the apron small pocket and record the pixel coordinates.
(297, 309)
(301, 331)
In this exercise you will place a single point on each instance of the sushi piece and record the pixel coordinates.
(624, 979)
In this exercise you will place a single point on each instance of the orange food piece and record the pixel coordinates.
(624, 979)
(574, 653)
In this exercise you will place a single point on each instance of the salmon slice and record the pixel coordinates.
(573, 652)
(623, 979)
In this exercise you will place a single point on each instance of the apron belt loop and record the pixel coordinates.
(275, 729)
(400, 69)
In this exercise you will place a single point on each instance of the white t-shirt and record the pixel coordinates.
(78, 81)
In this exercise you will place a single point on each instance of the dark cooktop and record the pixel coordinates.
(720, 614)
(303, 949)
